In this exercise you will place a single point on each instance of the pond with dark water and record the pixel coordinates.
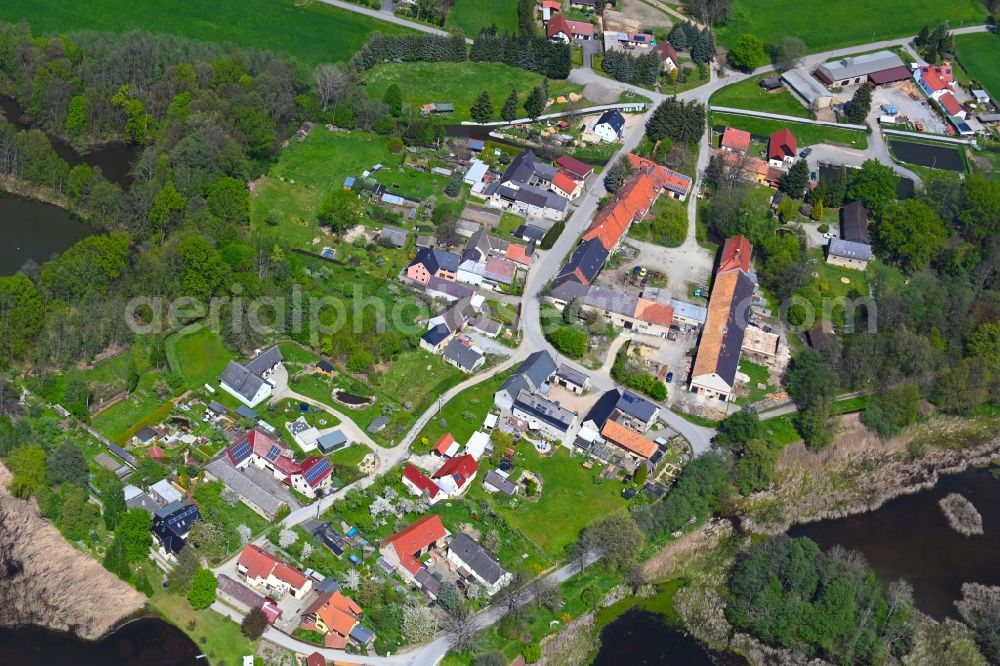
(921, 154)
(145, 642)
(910, 538)
(34, 230)
(639, 637)
(114, 159)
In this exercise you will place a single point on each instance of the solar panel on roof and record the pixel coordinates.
(273, 452)
(241, 451)
(316, 471)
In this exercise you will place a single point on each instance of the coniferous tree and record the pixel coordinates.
(922, 36)
(482, 109)
(535, 103)
(617, 174)
(795, 181)
(509, 111)
(861, 104)
(679, 37)
(692, 33)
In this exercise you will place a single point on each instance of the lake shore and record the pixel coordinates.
(44, 581)
(860, 473)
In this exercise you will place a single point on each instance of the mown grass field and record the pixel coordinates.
(312, 32)
(828, 25)
(313, 167)
(748, 95)
(806, 135)
(198, 355)
(470, 16)
(459, 83)
(979, 54)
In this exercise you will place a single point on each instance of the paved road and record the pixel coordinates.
(791, 119)
(385, 14)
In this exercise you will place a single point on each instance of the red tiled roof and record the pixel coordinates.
(338, 612)
(414, 538)
(461, 468)
(735, 255)
(260, 564)
(311, 462)
(552, 4)
(564, 182)
(560, 24)
(736, 139)
(315, 659)
(519, 254)
(950, 104)
(420, 480)
(574, 166)
(154, 452)
(628, 439)
(937, 78)
(501, 266)
(653, 312)
(782, 144)
(444, 443)
(257, 562)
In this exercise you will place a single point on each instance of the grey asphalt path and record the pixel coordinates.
(385, 14)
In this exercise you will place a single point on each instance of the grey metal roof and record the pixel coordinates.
(862, 65)
(532, 196)
(520, 169)
(217, 407)
(850, 249)
(514, 384)
(394, 235)
(463, 355)
(238, 591)
(500, 482)
(141, 501)
(123, 454)
(264, 361)
(448, 288)
(476, 558)
(530, 231)
(427, 581)
(612, 301)
(689, 310)
(331, 440)
(544, 410)
(636, 406)
(246, 412)
(803, 83)
(244, 486)
(378, 423)
(362, 634)
(602, 409)
(571, 375)
(485, 324)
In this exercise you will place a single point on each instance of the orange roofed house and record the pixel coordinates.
(718, 359)
(638, 447)
(405, 548)
(338, 618)
(736, 139)
(677, 185)
(264, 571)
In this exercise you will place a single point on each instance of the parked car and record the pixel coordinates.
(670, 377)
(635, 270)
(828, 235)
(813, 175)
(805, 152)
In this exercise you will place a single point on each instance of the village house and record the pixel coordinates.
(463, 355)
(848, 254)
(675, 184)
(668, 56)
(531, 375)
(574, 167)
(935, 80)
(446, 446)
(497, 481)
(404, 549)
(338, 618)
(543, 415)
(264, 571)
(610, 126)
(571, 379)
(565, 185)
(420, 485)
(561, 29)
(634, 411)
(308, 477)
(781, 148)
(735, 139)
(249, 383)
(456, 474)
(164, 493)
(584, 264)
(525, 187)
(632, 444)
(171, 525)
(472, 560)
(243, 599)
(854, 223)
(446, 324)
(718, 356)
(431, 262)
